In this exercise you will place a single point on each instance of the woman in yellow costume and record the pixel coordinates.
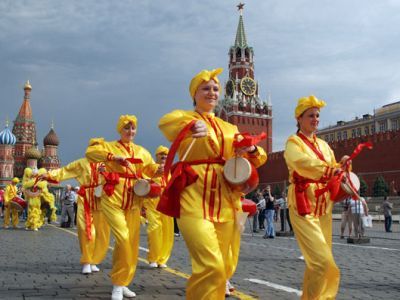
(160, 227)
(9, 194)
(311, 163)
(207, 207)
(125, 162)
(93, 229)
(34, 190)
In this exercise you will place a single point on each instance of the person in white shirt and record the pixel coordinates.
(358, 209)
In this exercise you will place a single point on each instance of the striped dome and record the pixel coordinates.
(7, 137)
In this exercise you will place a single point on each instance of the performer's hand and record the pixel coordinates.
(345, 162)
(199, 129)
(240, 151)
(121, 160)
(101, 168)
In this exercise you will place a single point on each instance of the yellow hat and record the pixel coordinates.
(206, 76)
(162, 149)
(124, 120)
(15, 180)
(307, 102)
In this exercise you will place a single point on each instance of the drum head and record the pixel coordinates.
(355, 183)
(237, 170)
(141, 187)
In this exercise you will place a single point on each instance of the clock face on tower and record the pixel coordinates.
(230, 86)
(248, 86)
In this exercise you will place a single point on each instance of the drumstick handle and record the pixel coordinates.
(188, 149)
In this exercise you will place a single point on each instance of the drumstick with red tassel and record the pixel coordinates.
(247, 140)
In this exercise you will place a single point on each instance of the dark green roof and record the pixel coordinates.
(240, 40)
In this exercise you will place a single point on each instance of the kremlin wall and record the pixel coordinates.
(382, 160)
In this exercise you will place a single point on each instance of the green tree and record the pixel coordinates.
(277, 191)
(381, 188)
(363, 188)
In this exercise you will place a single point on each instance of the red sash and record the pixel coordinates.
(302, 183)
(182, 175)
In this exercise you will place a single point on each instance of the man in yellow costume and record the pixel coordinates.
(311, 163)
(160, 227)
(35, 189)
(93, 229)
(206, 216)
(9, 194)
(125, 162)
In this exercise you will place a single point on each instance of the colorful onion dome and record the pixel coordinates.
(51, 139)
(33, 153)
(7, 137)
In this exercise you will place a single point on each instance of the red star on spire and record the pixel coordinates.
(240, 6)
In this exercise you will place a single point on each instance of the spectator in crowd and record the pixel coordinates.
(284, 212)
(346, 218)
(1, 201)
(256, 196)
(387, 212)
(358, 209)
(68, 206)
(269, 213)
(261, 211)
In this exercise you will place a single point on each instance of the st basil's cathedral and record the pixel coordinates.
(19, 147)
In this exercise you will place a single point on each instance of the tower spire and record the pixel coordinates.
(240, 40)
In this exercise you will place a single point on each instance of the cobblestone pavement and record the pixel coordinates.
(45, 265)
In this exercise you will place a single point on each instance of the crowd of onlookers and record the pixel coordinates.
(274, 208)
(270, 209)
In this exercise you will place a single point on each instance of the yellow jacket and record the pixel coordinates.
(301, 159)
(100, 150)
(85, 173)
(9, 193)
(210, 197)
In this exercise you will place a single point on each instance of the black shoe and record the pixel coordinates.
(256, 231)
(271, 237)
(265, 237)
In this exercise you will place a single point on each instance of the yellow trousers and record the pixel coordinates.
(209, 245)
(92, 251)
(160, 233)
(14, 213)
(125, 226)
(314, 236)
(34, 220)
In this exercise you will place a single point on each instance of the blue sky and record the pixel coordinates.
(90, 61)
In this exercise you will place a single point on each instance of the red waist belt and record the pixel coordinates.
(300, 189)
(112, 179)
(182, 176)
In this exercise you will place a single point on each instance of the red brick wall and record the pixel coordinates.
(383, 159)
